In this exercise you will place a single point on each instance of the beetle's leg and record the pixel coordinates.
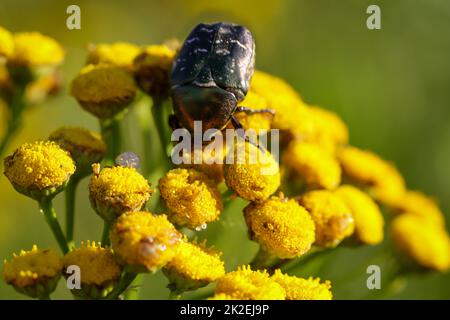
(174, 123)
(253, 111)
(241, 134)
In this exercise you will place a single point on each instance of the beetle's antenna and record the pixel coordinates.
(241, 133)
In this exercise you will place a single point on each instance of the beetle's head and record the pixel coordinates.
(213, 106)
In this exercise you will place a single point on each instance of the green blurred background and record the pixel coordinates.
(391, 86)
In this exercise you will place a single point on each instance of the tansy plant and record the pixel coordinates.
(324, 192)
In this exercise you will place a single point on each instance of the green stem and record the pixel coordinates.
(46, 206)
(70, 194)
(147, 146)
(263, 260)
(44, 297)
(202, 295)
(228, 196)
(110, 130)
(289, 265)
(105, 234)
(125, 281)
(174, 295)
(161, 124)
(17, 106)
(133, 293)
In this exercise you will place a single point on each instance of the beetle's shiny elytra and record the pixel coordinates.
(211, 74)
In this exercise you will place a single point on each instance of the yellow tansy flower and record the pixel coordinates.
(104, 90)
(6, 43)
(99, 270)
(143, 241)
(43, 87)
(422, 241)
(368, 218)
(116, 190)
(34, 273)
(34, 49)
(152, 68)
(303, 289)
(86, 147)
(366, 168)
(257, 121)
(281, 97)
(39, 169)
(315, 166)
(282, 227)
(328, 126)
(193, 267)
(332, 218)
(251, 172)
(192, 198)
(121, 54)
(209, 161)
(245, 284)
(418, 203)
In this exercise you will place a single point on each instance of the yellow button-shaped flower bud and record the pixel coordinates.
(282, 227)
(43, 87)
(193, 266)
(281, 97)
(152, 68)
(256, 121)
(121, 54)
(33, 49)
(34, 273)
(366, 168)
(6, 43)
(115, 190)
(422, 241)
(314, 165)
(328, 125)
(418, 203)
(245, 284)
(251, 172)
(192, 198)
(103, 90)
(39, 169)
(303, 289)
(208, 160)
(143, 241)
(332, 218)
(85, 147)
(99, 271)
(368, 218)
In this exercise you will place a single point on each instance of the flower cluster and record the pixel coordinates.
(322, 194)
(247, 284)
(29, 75)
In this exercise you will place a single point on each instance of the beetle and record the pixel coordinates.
(211, 75)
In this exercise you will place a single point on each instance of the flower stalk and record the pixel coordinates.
(125, 281)
(70, 194)
(18, 105)
(110, 131)
(105, 234)
(49, 212)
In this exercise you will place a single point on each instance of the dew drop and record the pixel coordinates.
(128, 159)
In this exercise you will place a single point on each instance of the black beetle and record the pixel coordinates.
(211, 75)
